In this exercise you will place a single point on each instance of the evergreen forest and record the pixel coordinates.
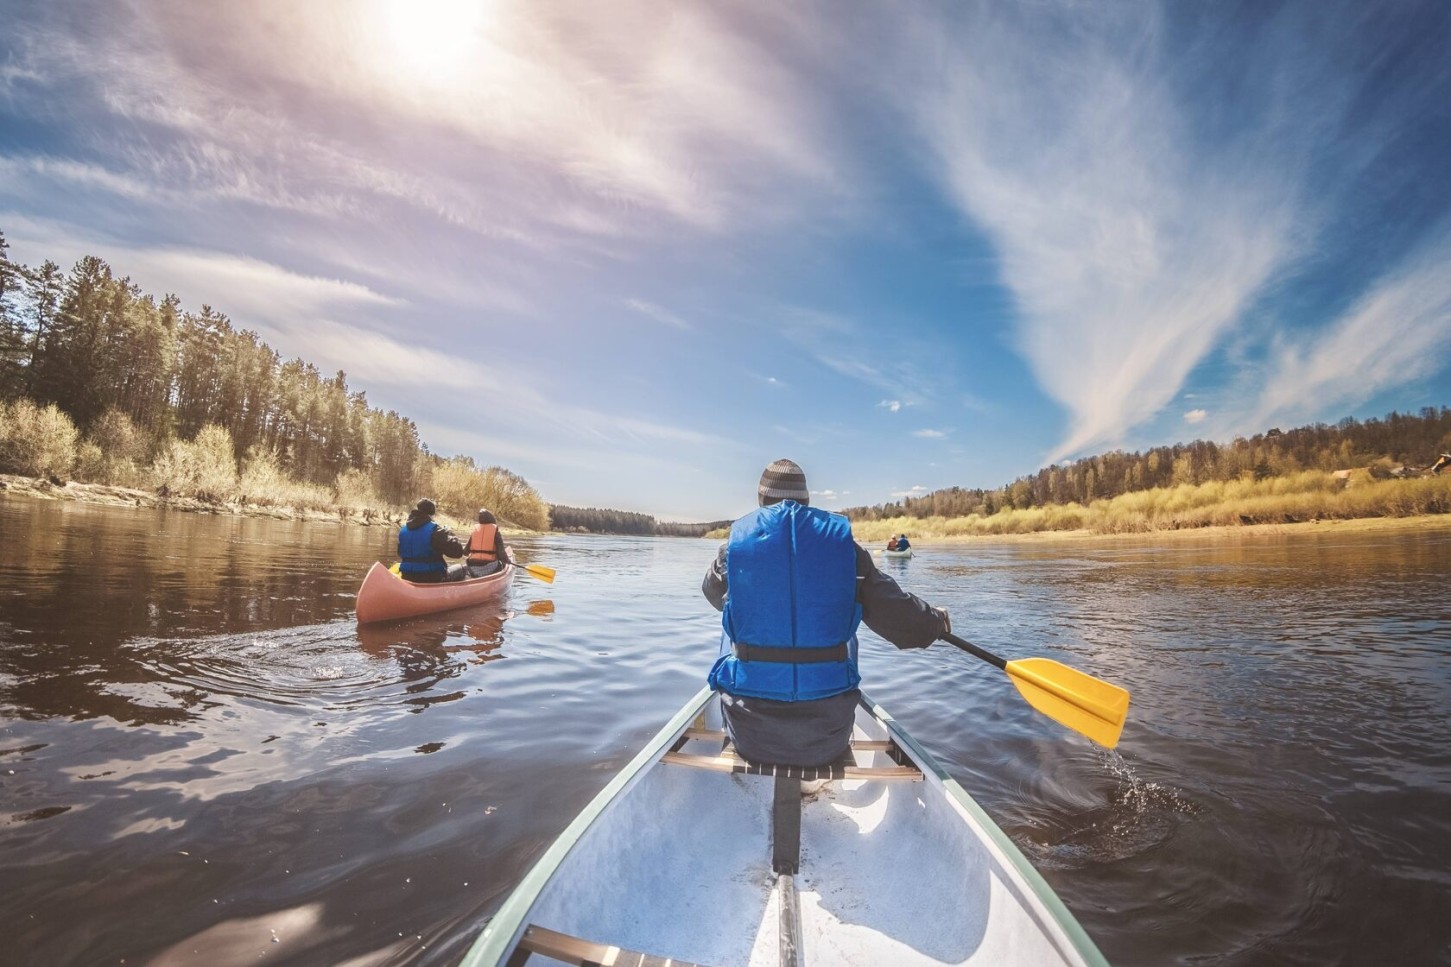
(107, 384)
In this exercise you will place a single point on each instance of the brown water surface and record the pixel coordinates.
(204, 760)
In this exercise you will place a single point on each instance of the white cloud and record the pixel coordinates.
(893, 406)
(1130, 246)
(1195, 416)
(930, 434)
(652, 311)
(915, 491)
(1397, 332)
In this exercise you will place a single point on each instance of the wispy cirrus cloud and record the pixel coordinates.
(1130, 240)
(651, 311)
(930, 434)
(1397, 332)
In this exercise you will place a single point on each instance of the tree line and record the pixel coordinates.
(136, 375)
(1399, 442)
(597, 520)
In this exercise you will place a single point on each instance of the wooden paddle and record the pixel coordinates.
(1087, 705)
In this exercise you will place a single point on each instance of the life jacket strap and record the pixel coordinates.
(791, 656)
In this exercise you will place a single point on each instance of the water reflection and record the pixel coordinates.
(199, 743)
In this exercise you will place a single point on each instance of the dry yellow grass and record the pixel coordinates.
(1305, 497)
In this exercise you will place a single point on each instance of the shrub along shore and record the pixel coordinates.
(42, 488)
(117, 463)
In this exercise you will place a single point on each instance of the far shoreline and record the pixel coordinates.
(39, 488)
(1440, 523)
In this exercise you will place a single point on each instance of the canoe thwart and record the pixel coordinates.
(857, 744)
(728, 761)
(582, 953)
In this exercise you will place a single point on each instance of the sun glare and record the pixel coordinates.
(434, 40)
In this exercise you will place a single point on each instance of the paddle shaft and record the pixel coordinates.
(974, 650)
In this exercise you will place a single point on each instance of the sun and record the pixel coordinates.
(433, 40)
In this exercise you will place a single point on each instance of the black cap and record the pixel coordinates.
(428, 507)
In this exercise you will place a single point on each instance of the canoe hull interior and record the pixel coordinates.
(386, 597)
(677, 862)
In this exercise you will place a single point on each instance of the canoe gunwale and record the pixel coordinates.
(504, 930)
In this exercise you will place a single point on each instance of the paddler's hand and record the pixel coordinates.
(946, 621)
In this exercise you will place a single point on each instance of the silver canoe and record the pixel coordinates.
(691, 855)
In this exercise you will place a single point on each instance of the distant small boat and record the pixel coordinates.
(385, 596)
(693, 855)
(900, 554)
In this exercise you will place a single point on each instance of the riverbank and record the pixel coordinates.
(40, 488)
(1421, 523)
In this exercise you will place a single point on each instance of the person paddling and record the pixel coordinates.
(792, 585)
(423, 545)
(487, 552)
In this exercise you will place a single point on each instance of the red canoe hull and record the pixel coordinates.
(386, 597)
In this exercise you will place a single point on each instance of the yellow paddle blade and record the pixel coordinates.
(394, 569)
(1088, 705)
(545, 574)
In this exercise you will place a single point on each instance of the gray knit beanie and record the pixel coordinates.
(783, 480)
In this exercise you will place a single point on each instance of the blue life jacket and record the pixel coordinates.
(791, 613)
(415, 549)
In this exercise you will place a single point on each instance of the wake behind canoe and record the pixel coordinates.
(691, 853)
(386, 597)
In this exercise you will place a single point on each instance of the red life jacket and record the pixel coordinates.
(481, 544)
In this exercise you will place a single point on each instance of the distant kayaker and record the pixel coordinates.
(423, 545)
(486, 550)
(793, 585)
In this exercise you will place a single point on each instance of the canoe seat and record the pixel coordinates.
(727, 760)
(582, 953)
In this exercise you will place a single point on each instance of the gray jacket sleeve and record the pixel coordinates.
(902, 618)
(898, 616)
(714, 585)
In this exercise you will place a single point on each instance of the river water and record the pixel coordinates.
(203, 760)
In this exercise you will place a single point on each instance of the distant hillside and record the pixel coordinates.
(596, 520)
(1397, 445)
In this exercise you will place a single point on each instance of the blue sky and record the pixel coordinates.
(636, 251)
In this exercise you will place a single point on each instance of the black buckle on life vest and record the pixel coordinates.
(791, 656)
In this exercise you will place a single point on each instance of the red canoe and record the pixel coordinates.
(386, 597)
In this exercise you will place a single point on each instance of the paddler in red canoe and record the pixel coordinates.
(422, 546)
